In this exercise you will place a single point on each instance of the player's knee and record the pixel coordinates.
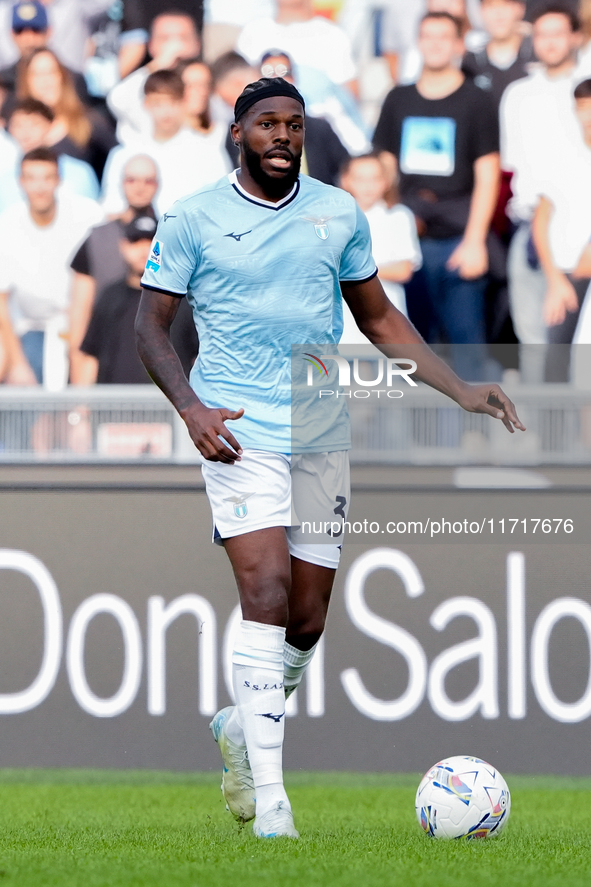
(264, 597)
(306, 630)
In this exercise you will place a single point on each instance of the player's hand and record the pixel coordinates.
(22, 375)
(560, 298)
(206, 428)
(490, 399)
(469, 259)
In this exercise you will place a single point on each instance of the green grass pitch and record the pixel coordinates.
(105, 829)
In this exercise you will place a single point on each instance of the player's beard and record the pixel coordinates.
(274, 188)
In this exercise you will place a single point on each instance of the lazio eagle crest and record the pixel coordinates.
(239, 503)
(320, 226)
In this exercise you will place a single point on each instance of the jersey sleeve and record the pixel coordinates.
(174, 254)
(357, 262)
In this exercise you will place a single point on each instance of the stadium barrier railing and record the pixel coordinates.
(136, 424)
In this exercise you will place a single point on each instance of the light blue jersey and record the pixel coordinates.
(261, 277)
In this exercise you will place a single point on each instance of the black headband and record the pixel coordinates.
(278, 86)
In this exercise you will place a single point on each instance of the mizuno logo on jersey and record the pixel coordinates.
(237, 237)
(272, 717)
(168, 216)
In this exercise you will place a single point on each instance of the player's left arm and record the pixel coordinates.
(395, 336)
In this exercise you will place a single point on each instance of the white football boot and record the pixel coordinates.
(237, 783)
(276, 823)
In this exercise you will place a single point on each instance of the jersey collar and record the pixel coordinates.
(233, 179)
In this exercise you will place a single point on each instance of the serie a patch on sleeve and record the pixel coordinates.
(155, 257)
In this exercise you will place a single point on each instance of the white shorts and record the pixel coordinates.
(308, 493)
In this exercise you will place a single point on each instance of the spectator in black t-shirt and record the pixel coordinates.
(442, 136)
(507, 55)
(98, 261)
(110, 338)
(173, 37)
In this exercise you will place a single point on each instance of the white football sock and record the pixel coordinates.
(260, 699)
(295, 663)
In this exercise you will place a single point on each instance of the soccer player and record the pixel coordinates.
(263, 256)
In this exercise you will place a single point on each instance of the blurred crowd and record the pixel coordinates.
(461, 127)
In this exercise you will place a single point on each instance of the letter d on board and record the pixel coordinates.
(25, 700)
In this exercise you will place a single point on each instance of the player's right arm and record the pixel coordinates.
(174, 258)
(206, 426)
(18, 369)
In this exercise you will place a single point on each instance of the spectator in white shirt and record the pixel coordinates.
(584, 57)
(186, 160)
(173, 37)
(402, 20)
(224, 19)
(400, 27)
(395, 244)
(39, 237)
(199, 118)
(231, 73)
(29, 125)
(310, 40)
(8, 152)
(538, 131)
(237, 12)
(562, 236)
